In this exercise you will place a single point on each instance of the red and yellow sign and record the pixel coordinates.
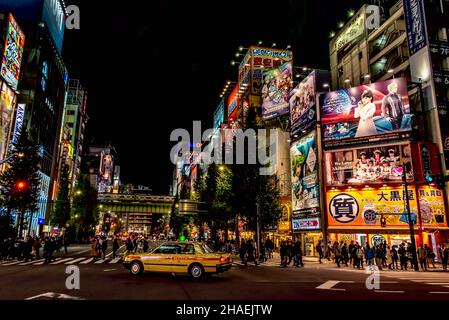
(365, 207)
(431, 207)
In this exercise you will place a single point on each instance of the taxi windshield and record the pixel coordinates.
(206, 248)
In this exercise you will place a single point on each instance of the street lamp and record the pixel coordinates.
(78, 192)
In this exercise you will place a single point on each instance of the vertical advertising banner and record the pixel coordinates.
(277, 84)
(431, 207)
(415, 25)
(18, 123)
(304, 174)
(6, 108)
(232, 104)
(303, 105)
(54, 16)
(12, 54)
(359, 114)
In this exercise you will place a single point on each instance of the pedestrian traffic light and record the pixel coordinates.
(21, 185)
(383, 222)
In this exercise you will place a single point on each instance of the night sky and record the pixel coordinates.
(153, 66)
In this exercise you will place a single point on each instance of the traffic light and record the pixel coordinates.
(21, 185)
(383, 222)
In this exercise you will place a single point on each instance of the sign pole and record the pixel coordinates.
(410, 222)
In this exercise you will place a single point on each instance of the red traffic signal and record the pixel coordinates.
(21, 185)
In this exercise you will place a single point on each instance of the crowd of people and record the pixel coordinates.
(29, 248)
(248, 251)
(381, 255)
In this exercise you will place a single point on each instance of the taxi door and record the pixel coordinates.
(162, 259)
(183, 258)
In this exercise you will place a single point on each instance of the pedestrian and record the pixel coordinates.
(344, 253)
(297, 252)
(115, 247)
(65, 242)
(37, 246)
(430, 256)
(104, 247)
(409, 254)
(48, 250)
(329, 250)
(360, 256)
(319, 250)
(402, 253)
(145, 245)
(422, 256)
(369, 255)
(251, 254)
(350, 251)
(289, 251)
(379, 255)
(242, 251)
(269, 247)
(444, 256)
(97, 247)
(283, 251)
(337, 253)
(129, 246)
(389, 257)
(394, 257)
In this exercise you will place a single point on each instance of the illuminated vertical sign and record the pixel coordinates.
(54, 16)
(415, 25)
(19, 122)
(12, 54)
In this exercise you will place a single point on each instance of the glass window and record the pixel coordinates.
(186, 248)
(167, 249)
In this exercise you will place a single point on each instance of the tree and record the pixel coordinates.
(20, 181)
(61, 213)
(84, 213)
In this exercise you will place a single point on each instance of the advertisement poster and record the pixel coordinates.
(277, 84)
(304, 166)
(373, 165)
(232, 105)
(6, 108)
(303, 105)
(431, 207)
(265, 59)
(12, 55)
(415, 23)
(365, 207)
(375, 109)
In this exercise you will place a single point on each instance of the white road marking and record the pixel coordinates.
(115, 260)
(439, 292)
(106, 270)
(87, 261)
(328, 285)
(11, 263)
(388, 291)
(31, 262)
(75, 261)
(61, 261)
(100, 261)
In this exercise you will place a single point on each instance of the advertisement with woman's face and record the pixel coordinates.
(369, 110)
(382, 164)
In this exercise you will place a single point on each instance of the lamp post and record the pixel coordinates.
(409, 216)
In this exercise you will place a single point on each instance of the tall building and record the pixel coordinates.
(42, 87)
(385, 124)
(99, 164)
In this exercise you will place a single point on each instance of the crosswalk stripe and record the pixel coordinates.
(31, 262)
(75, 261)
(11, 263)
(115, 260)
(437, 283)
(87, 261)
(61, 261)
(41, 263)
(100, 261)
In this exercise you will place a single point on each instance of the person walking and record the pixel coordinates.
(297, 254)
(115, 247)
(360, 256)
(394, 257)
(430, 256)
(337, 253)
(284, 254)
(344, 253)
(65, 243)
(388, 257)
(402, 256)
(242, 251)
(104, 247)
(379, 256)
(48, 250)
(250, 252)
(369, 255)
(37, 246)
(422, 256)
(444, 256)
(129, 246)
(319, 250)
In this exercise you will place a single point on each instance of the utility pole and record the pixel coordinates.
(409, 216)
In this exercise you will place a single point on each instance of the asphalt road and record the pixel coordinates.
(107, 279)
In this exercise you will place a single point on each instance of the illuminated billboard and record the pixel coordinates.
(304, 174)
(277, 84)
(365, 207)
(302, 105)
(232, 104)
(362, 114)
(379, 164)
(13, 52)
(6, 107)
(431, 206)
(219, 115)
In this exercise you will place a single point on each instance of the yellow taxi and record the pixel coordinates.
(193, 258)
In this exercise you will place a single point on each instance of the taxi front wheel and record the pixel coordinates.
(196, 270)
(136, 268)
